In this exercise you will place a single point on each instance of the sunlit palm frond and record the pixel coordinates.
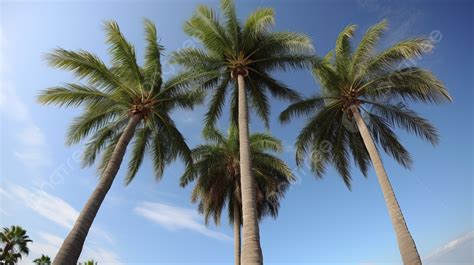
(123, 56)
(227, 44)
(84, 65)
(343, 50)
(73, 95)
(152, 66)
(365, 49)
(380, 86)
(114, 94)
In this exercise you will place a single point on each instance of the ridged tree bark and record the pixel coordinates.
(237, 233)
(406, 244)
(72, 246)
(251, 250)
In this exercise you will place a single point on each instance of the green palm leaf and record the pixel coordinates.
(371, 81)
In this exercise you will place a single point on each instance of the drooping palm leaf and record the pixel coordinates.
(372, 81)
(216, 173)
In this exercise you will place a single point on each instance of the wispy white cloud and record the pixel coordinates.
(101, 255)
(32, 136)
(443, 254)
(32, 157)
(32, 150)
(187, 117)
(3, 212)
(48, 244)
(288, 147)
(11, 106)
(176, 218)
(50, 207)
(45, 244)
(402, 17)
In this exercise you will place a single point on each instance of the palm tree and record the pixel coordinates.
(365, 82)
(217, 178)
(121, 102)
(237, 59)
(43, 260)
(89, 262)
(14, 244)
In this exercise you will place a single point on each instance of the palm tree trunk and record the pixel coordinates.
(72, 246)
(406, 244)
(237, 232)
(251, 250)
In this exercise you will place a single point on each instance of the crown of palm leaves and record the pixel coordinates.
(217, 179)
(230, 48)
(113, 94)
(371, 81)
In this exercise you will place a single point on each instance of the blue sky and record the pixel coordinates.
(43, 186)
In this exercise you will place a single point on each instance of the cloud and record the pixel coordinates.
(176, 218)
(32, 135)
(11, 106)
(288, 147)
(457, 251)
(187, 117)
(45, 244)
(32, 150)
(101, 255)
(32, 157)
(402, 17)
(48, 244)
(3, 212)
(50, 207)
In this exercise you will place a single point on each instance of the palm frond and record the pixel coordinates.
(385, 136)
(411, 83)
(84, 65)
(179, 146)
(216, 103)
(340, 155)
(107, 154)
(99, 141)
(231, 22)
(302, 108)
(90, 121)
(72, 95)
(152, 67)
(138, 152)
(264, 141)
(343, 49)
(407, 119)
(314, 128)
(327, 76)
(123, 54)
(277, 89)
(213, 135)
(216, 176)
(366, 46)
(258, 23)
(196, 58)
(259, 102)
(359, 152)
(403, 50)
(204, 25)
